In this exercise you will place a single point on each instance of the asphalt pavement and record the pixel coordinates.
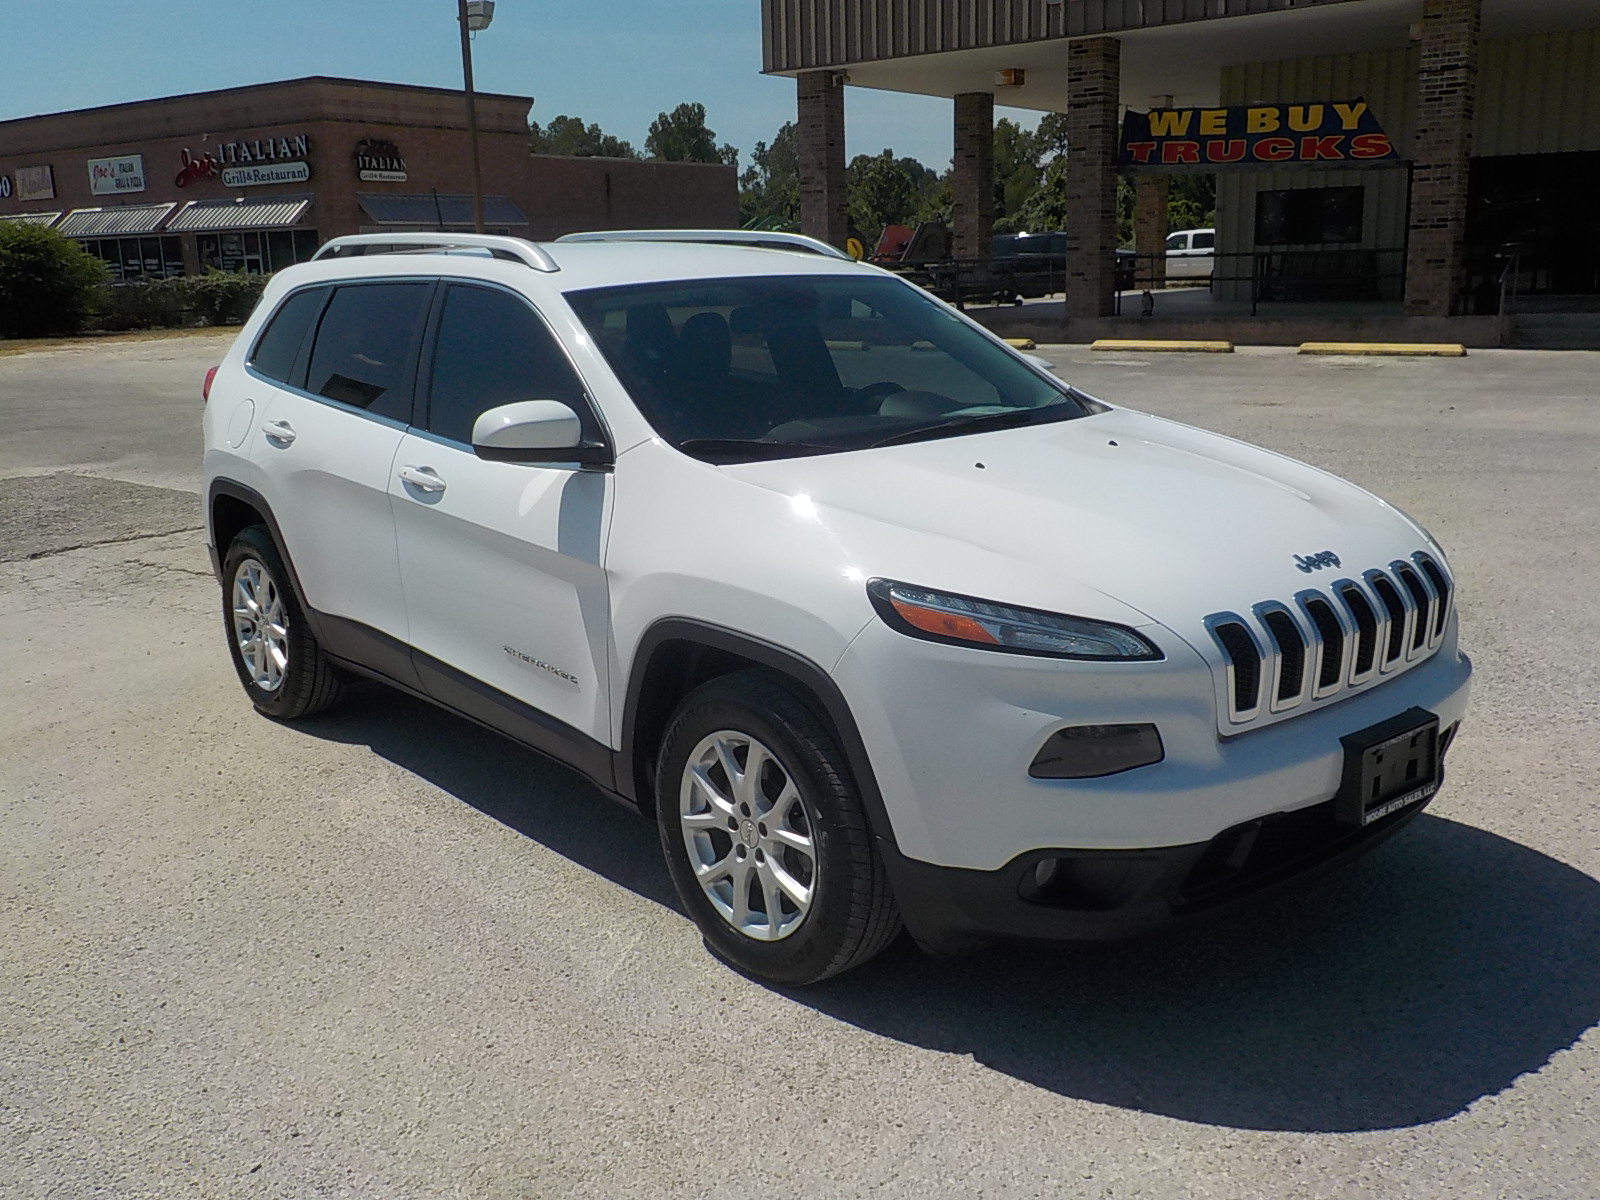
(386, 954)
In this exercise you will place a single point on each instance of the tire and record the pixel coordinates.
(281, 664)
(816, 900)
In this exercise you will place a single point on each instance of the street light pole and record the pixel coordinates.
(472, 114)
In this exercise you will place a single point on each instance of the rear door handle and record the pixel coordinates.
(279, 433)
(424, 479)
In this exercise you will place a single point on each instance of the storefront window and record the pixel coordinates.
(135, 258)
(1309, 216)
(256, 252)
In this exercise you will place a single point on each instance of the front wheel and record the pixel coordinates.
(278, 658)
(765, 836)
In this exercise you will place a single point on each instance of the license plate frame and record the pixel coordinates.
(1388, 767)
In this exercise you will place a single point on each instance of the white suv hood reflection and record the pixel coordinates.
(1172, 521)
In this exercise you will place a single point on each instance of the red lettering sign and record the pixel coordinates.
(1180, 152)
(1371, 145)
(1141, 151)
(195, 168)
(1232, 150)
(1275, 149)
(1313, 148)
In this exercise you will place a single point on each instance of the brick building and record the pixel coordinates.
(254, 178)
(1400, 152)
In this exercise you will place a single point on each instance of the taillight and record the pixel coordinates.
(205, 389)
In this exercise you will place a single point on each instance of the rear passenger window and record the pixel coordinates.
(366, 346)
(493, 349)
(280, 344)
(1205, 241)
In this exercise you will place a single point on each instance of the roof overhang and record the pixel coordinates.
(1185, 59)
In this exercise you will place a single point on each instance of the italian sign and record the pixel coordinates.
(1203, 139)
(116, 176)
(257, 175)
(379, 161)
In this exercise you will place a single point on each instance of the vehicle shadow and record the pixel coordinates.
(1397, 992)
(520, 788)
(1419, 980)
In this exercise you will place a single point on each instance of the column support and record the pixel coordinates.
(1150, 196)
(821, 127)
(972, 174)
(1447, 85)
(1094, 81)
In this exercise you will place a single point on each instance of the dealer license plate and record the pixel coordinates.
(1389, 766)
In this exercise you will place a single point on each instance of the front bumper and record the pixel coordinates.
(1102, 895)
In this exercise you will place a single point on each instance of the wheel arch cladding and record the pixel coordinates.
(675, 656)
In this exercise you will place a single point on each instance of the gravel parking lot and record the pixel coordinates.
(385, 954)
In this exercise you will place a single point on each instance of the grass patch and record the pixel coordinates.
(14, 346)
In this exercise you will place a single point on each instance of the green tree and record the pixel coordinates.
(49, 286)
(769, 189)
(1016, 172)
(884, 190)
(570, 136)
(1192, 202)
(682, 136)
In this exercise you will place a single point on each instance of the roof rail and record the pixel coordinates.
(496, 245)
(761, 239)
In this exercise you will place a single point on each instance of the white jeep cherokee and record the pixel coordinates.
(879, 619)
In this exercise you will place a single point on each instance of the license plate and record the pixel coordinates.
(1389, 766)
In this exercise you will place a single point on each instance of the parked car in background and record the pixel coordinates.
(1191, 253)
(1035, 264)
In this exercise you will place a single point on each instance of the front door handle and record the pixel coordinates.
(424, 479)
(279, 433)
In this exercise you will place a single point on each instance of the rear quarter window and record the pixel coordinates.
(277, 348)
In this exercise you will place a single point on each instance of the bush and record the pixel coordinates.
(49, 286)
(223, 297)
(156, 304)
(215, 298)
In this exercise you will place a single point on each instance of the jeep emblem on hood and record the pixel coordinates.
(1315, 562)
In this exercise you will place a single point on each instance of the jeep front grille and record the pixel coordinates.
(1326, 644)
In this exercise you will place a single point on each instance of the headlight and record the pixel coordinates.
(965, 621)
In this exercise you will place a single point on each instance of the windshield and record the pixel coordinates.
(732, 370)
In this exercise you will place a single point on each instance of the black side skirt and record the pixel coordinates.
(378, 656)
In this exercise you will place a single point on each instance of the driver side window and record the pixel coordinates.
(493, 349)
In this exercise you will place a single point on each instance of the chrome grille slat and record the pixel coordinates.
(1328, 643)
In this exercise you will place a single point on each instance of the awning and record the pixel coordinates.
(211, 216)
(432, 212)
(45, 219)
(120, 221)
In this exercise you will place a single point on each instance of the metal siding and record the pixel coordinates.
(1384, 78)
(1539, 94)
(801, 35)
(125, 220)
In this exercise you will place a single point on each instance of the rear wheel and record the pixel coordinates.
(765, 835)
(279, 660)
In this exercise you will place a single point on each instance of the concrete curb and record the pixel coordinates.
(1387, 349)
(1152, 346)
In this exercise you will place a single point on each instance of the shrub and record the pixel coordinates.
(153, 304)
(49, 286)
(223, 297)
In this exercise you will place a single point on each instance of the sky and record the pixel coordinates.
(617, 63)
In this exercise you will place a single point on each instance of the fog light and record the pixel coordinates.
(1093, 751)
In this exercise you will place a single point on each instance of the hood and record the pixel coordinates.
(1171, 521)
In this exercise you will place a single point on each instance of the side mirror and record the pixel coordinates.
(535, 431)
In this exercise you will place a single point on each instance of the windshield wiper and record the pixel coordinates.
(999, 420)
(754, 447)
